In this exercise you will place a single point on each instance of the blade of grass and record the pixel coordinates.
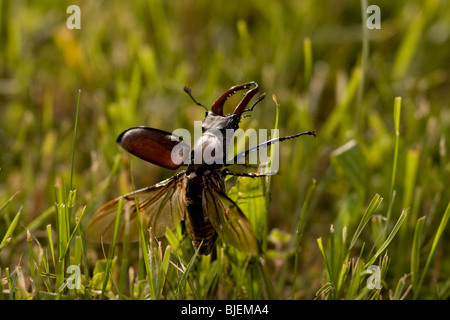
(436, 239)
(74, 230)
(300, 232)
(364, 61)
(173, 241)
(77, 256)
(164, 266)
(74, 141)
(143, 245)
(410, 42)
(40, 264)
(357, 269)
(415, 252)
(187, 270)
(112, 247)
(44, 270)
(31, 261)
(145, 256)
(397, 295)
(325, 289)
(9, 232)
(308, 64)
(351, 161)
(397, 112)
(24, 294)
(6, 204)
(78, 251)
(153, 255)
(341, 110)
(36, 223)
(124, 264)
(61, 242)
(342, 276)
(267, 280)
(332, 260)
(412, 164)
(12, 281)
(273, 156)
(245, 39)
(50, 243)
(2, 296)
(389, 238)
(327, 264)
(374, 203)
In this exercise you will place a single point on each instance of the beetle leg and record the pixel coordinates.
(227, 172)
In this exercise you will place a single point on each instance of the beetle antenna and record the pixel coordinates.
(261, 97)
(189, 92)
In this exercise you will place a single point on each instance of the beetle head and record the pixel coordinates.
(215, 119)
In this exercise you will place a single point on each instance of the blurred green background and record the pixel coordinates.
(131, 61)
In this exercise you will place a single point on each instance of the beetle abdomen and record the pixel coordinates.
(201, 232)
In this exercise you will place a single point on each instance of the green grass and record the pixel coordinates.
(371, 191)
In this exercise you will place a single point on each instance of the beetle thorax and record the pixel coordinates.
(214, 121)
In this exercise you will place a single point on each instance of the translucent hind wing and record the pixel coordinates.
(229, 221)
(161, 206)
